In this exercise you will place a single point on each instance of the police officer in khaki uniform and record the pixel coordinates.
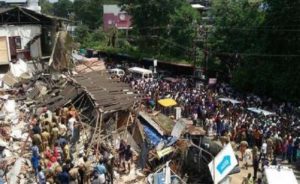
(54, 134)
(270, 149)
(38, 141)
(45, 135)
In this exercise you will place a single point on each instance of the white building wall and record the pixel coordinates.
(34, 5)
(27, 33)
(115, 9)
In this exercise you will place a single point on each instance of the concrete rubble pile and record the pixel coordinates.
(15, 163)
(104, 117)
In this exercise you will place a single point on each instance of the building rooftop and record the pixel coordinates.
(14, 1)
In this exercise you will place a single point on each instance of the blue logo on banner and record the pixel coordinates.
(222, 166)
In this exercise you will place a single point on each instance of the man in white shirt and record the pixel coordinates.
(71, 123)
(264, 149)
(62, 129)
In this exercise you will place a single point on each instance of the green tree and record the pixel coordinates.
(162, 27)
(259, 43)
(81, 33)
(47, 7)
(234, 31)
(63, 8)
(276, 73)
(90, 38)
(89, 12)
(184, 29)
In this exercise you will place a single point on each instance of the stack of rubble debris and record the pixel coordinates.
(108, 113)
(92, 94)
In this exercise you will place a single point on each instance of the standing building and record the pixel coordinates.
(114, 17)
(26, 34)
(29, 4)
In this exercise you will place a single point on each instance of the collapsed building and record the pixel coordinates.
(109, 111)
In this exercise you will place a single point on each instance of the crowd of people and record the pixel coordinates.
(54, 137)
(261, 139)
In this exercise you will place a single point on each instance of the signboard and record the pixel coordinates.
(212, 81)
(223, 163)
(164, 152)
(155, 63)
(199, 85)
(197, 73)
(178, 113)
(178, 129)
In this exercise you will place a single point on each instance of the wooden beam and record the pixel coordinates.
(19, 18)
(29, 15)
(95, 132)
(99, 134)
(54, 47)
(18, 23)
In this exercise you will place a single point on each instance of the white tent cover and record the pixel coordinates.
(260, 111)
(229, 100)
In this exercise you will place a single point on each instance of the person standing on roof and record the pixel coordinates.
(128, 158)
(121, 151)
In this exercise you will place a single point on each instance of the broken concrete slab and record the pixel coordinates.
(12, 175)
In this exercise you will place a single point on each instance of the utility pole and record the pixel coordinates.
(206, 50)
(194, 44)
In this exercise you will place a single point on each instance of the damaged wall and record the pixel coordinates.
(26, 33)
(62, 51)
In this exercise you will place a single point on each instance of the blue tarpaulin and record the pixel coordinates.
(152, 135)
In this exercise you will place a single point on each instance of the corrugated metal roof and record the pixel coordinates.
(15, 1)
(5, 9)
(9, 79)
(109, 95)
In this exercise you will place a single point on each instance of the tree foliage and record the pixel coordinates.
(234, 31)
(89, 12)
(259, 42)
(47, 7)
(164, 27)
(63, 8)
(90, 39)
